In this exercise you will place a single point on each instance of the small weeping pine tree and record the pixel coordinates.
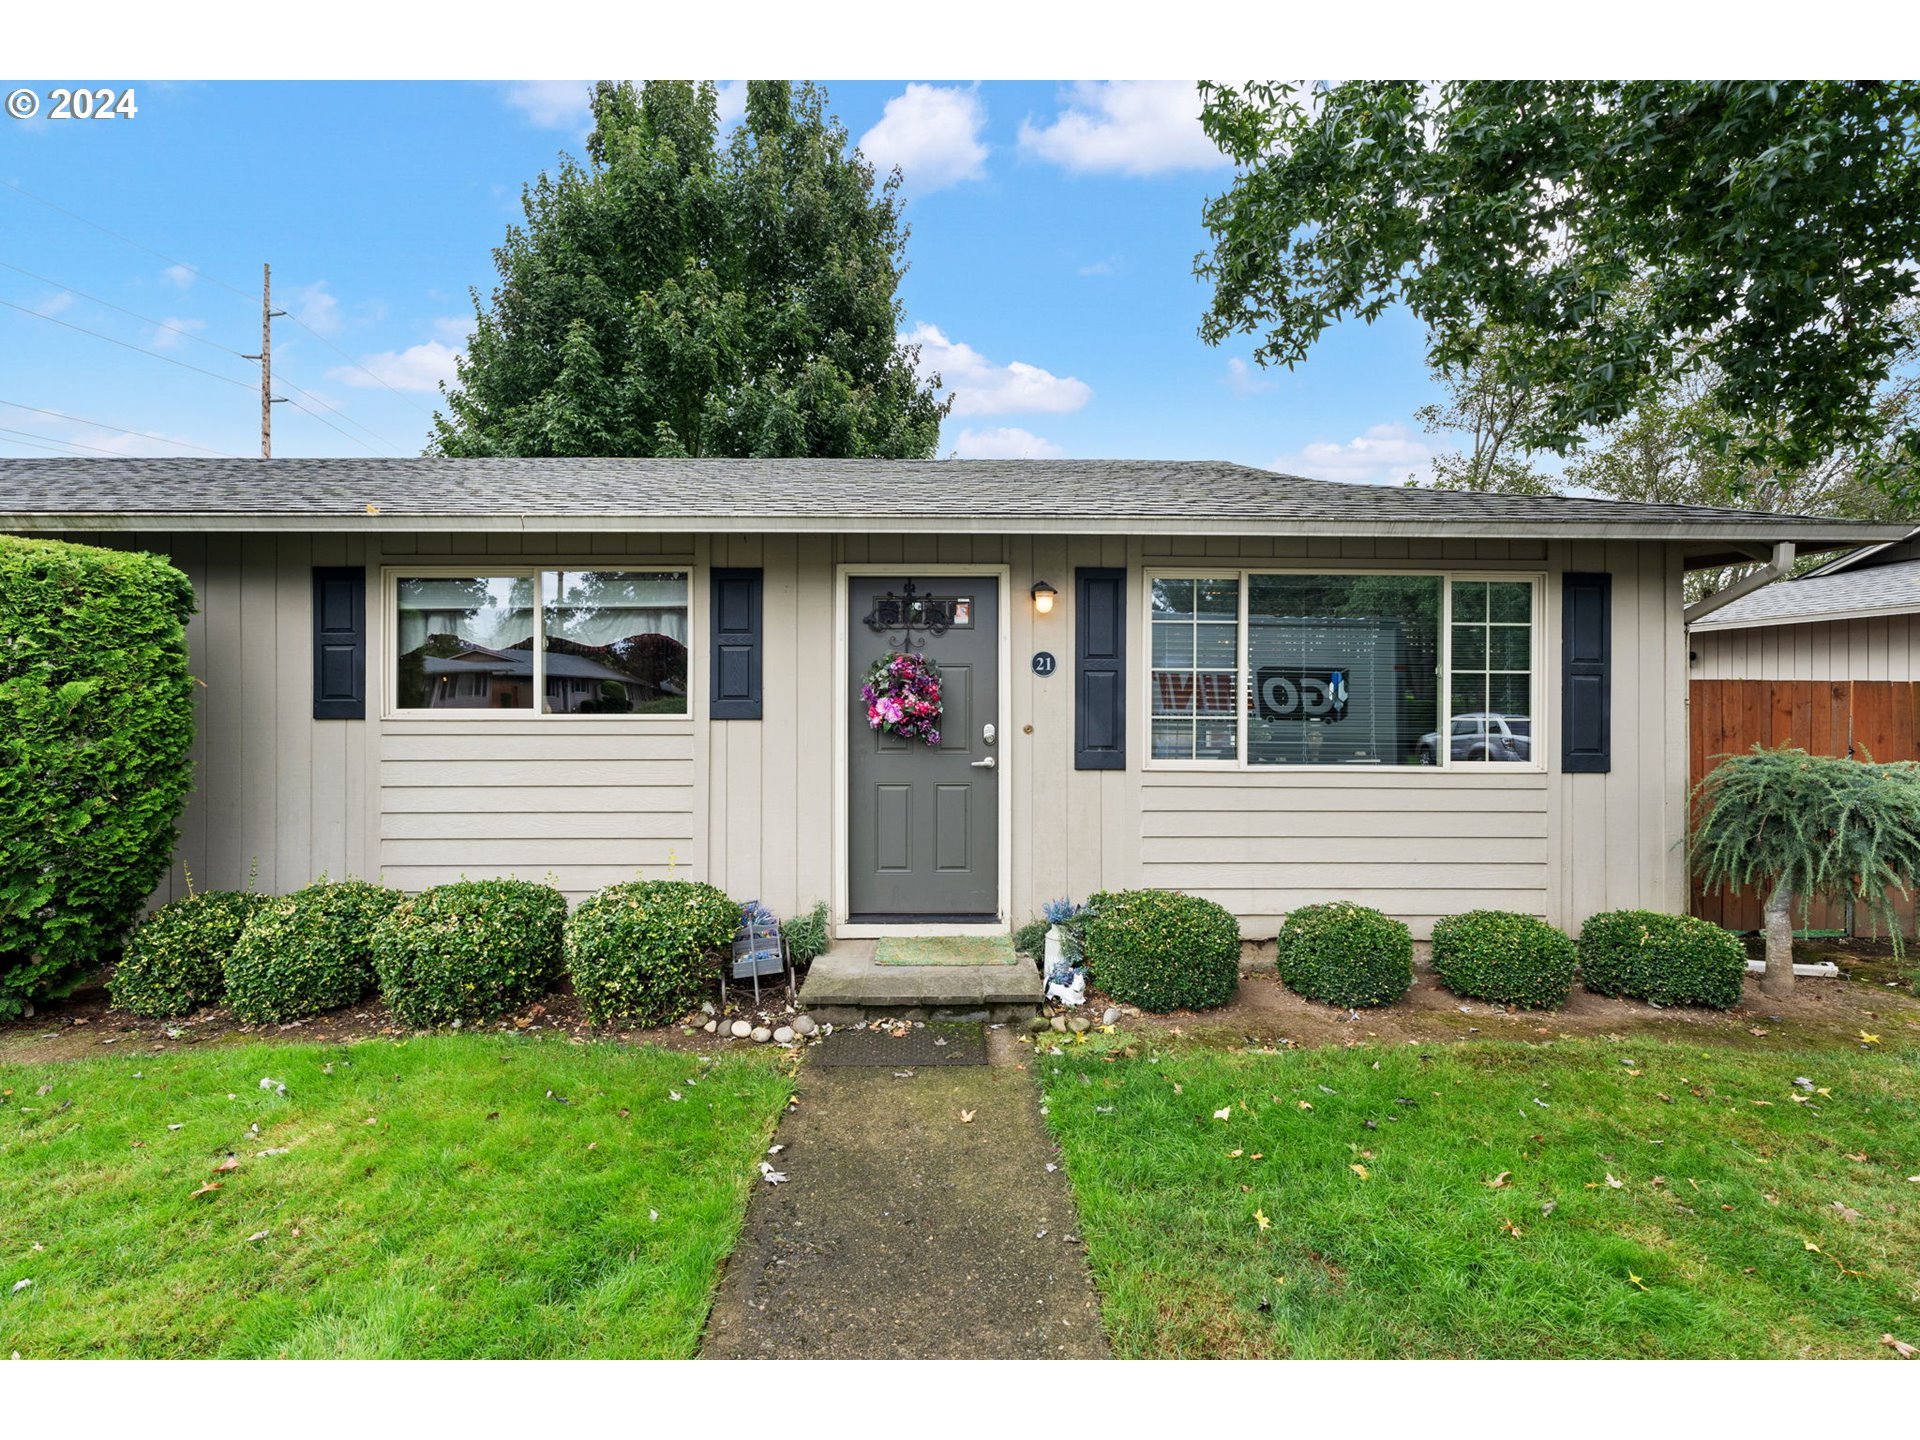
(1796, 826)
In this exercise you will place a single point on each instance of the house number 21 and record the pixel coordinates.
(1044, 663)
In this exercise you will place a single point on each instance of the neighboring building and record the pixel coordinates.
(1856, 617)
(1189, 675)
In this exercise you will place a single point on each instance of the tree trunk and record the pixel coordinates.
(1777, 982)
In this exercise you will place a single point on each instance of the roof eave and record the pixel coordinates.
(1707, 542)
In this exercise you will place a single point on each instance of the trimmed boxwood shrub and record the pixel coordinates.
(1159, 949)
(308, 951)
(96, 721)
(1503, 957)
(1668, 959)
(1345, 954)
(645, 951)
(469, 951)
(176, 961)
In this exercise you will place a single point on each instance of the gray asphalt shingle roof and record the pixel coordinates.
(1883, 588)
(1094, 495)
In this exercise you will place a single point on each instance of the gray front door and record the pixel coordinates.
(923, 832)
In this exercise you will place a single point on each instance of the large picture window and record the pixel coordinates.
(551, 642)
(1268, 669)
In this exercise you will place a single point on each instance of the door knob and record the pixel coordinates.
(986, 764)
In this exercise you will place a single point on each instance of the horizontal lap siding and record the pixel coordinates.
(580, 808)
(1417, 845)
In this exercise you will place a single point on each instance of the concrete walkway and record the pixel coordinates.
(904, 1233)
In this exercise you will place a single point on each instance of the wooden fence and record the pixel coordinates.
(1866, 719)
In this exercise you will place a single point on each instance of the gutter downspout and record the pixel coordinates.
(1781, 563)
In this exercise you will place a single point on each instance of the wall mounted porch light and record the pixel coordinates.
(1043, 594)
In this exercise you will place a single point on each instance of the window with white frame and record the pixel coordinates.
(1260, 668)
(542, 641)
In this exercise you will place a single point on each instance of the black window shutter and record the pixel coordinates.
(1100, 669)
(1586, 684)
(339, 642)
(736, 644)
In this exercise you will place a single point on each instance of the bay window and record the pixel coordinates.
(542, 641)
(1255, 668)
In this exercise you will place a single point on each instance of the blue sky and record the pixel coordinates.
(1054, 230)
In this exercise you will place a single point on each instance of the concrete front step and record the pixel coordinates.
(845, 985)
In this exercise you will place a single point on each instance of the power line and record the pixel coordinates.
(357, 365)
(213, 280)
(180, 330)
(125, 345)
(336, 410)
(187, 334)
(333, 427)
(193, 270)
(53, 440)
(56, 448)
(102, 425)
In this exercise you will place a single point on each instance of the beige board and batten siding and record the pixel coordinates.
(1885, 647)
(748, 804)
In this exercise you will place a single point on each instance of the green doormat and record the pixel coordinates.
(946, 950)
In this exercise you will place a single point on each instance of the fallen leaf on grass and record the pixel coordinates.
(1306, 1104)
(1866, 1039)
(966, 1117)
(20, 1285)
(205, 1189)
(1847, 1212)
(1755, 1030)
(1359, 1170)
(258, 1235)
(1235, 1154)
(226, 1165)
(1633, 1279)
(1224, 1113)
(1512, 1229)
(1899, 1347)
(1500, 1181)
(1613, 1184)
(1260, 1219)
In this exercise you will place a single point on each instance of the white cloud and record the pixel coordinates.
(313, 307)
(173, 331)
(182, 276)
(1007, 442)
(1384, 455)
(1136, 127)
(418, 368)
(983, 388)
(568, 104)
(553, 104)
(54, 304)
(454, 329)
(1244, 379)
(932, 132)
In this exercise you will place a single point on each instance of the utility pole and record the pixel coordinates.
(267, 398)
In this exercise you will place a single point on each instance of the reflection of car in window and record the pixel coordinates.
(1482, 735)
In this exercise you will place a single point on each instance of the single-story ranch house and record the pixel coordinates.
(1260, 688)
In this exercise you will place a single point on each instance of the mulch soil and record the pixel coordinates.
(1875, 989)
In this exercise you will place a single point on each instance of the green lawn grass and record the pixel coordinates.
(433, 1200)
(1719, 1199)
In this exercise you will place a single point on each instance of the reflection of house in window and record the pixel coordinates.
(473, 677)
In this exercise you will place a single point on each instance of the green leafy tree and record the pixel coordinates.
(1615, 235)
(674, 297)
(1798, 826)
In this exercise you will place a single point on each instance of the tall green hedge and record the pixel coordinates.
(96, 722)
